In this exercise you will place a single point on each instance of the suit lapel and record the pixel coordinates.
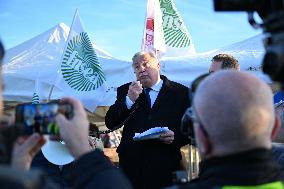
(164, 93)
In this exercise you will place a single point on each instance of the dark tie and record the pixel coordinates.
(147, 90)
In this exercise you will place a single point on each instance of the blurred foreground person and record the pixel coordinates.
(234, 121)
(91, 170)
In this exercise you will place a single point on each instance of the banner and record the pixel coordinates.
(80, 74)
(153, 37)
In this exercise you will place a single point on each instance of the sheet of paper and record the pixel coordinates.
(150, 134)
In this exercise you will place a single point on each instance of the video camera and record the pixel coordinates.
(272, 14)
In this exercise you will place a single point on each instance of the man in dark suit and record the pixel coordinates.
(149, 163)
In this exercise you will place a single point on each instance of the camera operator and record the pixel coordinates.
(91, 170)
(234, 121)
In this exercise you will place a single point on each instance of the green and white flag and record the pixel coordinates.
(174, 32)
(80, 74)
(36, 99)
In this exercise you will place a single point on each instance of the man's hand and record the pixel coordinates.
(135, 89)
(167, 137)
(75, 132)
(25, 149)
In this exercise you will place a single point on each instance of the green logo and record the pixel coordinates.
(175, 32)
(35, 99)
(80, 67)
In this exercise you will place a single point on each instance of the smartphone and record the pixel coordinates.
(40, 118)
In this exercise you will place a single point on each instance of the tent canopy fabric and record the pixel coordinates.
(38, 59)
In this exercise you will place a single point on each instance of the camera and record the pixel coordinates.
(272, 14)
(186, 121)
(40, 118)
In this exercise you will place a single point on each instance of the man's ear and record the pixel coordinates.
(203, 142)
(276, 127)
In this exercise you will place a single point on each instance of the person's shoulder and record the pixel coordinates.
(124, 87)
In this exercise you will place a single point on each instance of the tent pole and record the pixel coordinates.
(50, 92)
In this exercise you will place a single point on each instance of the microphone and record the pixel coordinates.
(136, 106)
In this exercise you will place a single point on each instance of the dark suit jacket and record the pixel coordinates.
(150, 163)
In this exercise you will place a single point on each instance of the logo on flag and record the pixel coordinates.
(165, 32)
(80, 67)
(80, 74)
(175, 32)
(153, 37)
(149, 32)
(35, 99)
(37, 92)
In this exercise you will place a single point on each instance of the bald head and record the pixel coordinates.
(236, 110)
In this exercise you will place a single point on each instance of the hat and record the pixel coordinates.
(57, 153)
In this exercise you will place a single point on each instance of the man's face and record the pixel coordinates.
(147, 70)
(215, 66)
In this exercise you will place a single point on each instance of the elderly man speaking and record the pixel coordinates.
(150, 101)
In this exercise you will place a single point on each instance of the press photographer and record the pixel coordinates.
(272, 14)
(233, 114)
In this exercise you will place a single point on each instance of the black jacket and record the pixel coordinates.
(94, 170)
(149, 164)
(249, 168)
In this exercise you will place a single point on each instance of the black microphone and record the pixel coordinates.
(135, 106)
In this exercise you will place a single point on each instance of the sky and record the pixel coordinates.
(117, 25)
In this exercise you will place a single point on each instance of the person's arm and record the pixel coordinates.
(25, 149)
(92, 168)
(119, 111)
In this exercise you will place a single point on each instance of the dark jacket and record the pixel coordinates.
(251, 168)
(94, 170)
(56, 175)
(149, 164)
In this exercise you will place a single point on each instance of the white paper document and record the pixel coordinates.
(150, 133)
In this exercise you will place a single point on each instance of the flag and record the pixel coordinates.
(80, 74)
(172, 36)
(153, 37)
(36, 99)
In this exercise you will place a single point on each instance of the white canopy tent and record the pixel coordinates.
(38, 59)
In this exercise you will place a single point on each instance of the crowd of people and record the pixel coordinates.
(232, 113)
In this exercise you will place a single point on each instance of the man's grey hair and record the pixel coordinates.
(141, 53)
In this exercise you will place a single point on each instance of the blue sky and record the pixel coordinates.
(117, 25)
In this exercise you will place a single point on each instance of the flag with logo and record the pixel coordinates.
(80, 74)
(36, 99)
(173, 33)
(153, 37)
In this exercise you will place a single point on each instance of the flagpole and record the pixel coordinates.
(50, 92)
(53, 85)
